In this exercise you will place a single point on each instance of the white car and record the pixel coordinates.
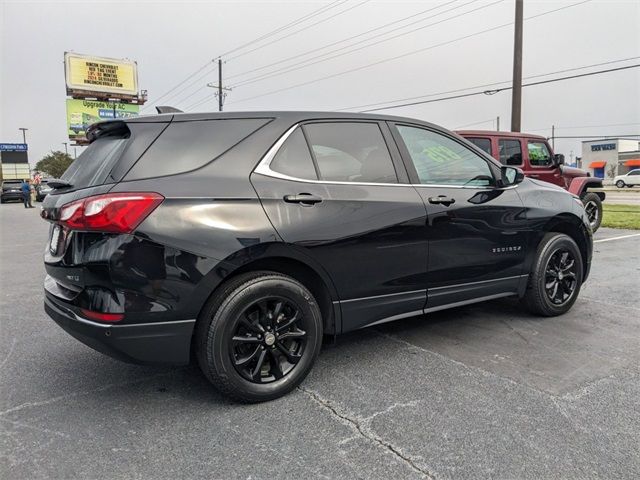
(630, 179)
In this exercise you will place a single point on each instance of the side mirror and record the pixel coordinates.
(510, 176)
(558, 158)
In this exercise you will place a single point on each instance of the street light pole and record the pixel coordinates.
(24, 134)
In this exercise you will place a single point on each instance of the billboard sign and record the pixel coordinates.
(83, 113)
(85, 73)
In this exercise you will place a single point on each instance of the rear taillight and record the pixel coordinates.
(112, 212)
(102, 317)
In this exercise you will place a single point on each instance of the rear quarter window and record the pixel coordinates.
(186, 146)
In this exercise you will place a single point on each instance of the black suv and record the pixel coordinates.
(11, 190)
(246, 237)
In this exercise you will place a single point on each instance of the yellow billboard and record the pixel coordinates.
(98, 74)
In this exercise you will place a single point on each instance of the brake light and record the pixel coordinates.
(102, 317)
(112, 212)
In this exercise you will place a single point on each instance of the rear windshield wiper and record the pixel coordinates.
(57, 183)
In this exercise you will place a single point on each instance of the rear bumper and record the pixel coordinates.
(162, 343)
(11, 196)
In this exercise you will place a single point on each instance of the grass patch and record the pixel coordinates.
(621, 216)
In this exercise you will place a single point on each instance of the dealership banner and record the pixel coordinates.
(83, 113)
(86, 73)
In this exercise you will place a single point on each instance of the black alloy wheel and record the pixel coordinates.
(556, 276)
(267, 340)
(258, 336)
(560, 276)
(593, 209)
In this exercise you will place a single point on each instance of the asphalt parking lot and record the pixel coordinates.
(485, 391)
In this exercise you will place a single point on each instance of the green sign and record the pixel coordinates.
(83, 113)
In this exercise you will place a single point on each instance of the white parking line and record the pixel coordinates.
(617, 238)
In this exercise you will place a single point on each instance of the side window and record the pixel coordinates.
(482, 143)
(186, 146)
(294, 159)
(634, 172)
(440, 160)
(350, 152)
(539, 155)
(510, 152)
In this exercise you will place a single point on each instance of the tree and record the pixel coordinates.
(54, 164)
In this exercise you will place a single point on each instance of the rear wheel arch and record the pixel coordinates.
(320, 287)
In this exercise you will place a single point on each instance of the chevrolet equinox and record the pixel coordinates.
(243, 238)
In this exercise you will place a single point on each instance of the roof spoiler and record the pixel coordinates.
(167, 109)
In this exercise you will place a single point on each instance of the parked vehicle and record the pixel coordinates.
(246, 237)
(42, 190)
(533, 154)
(629, 179)
(11, 191)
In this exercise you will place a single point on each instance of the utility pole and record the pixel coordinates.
(219, 84)
(498, 123)
(516, 97)
(553, 137)
(24, 134)
(66, 150)
(221, 90)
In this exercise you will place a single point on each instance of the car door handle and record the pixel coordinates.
(442, 200)
(303, 198)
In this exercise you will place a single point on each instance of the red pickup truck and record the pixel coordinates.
(535, 157)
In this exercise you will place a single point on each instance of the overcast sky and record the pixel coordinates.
(170, 40)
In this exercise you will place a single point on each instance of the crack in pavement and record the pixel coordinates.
(365, 432)
(49, 401)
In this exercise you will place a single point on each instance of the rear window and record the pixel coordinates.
(186, 146)
(94, 164)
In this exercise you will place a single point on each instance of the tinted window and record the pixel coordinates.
(294, 158)
(482, 143)
(510, 152)
(634, 172)
(351, 152)
(94, 164)
(538, 154)
(439, 160)
(185, 146)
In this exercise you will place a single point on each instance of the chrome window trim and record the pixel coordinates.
(264, 168)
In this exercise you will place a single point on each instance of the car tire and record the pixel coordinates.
(593, 207)
(247, 318)
(547, 287)
(620, 184)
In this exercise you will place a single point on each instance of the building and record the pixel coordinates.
(14, 161)
(606, 158)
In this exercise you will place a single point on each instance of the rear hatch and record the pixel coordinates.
(115, 147)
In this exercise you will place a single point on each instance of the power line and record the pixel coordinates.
(208, 64)
(475, 123)
(273, 32)
(490, 84)
(493, 92)
(301, 29)
(304, 63)
(266, 44)
(344, 72)
(341, 41)
(293, 23)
